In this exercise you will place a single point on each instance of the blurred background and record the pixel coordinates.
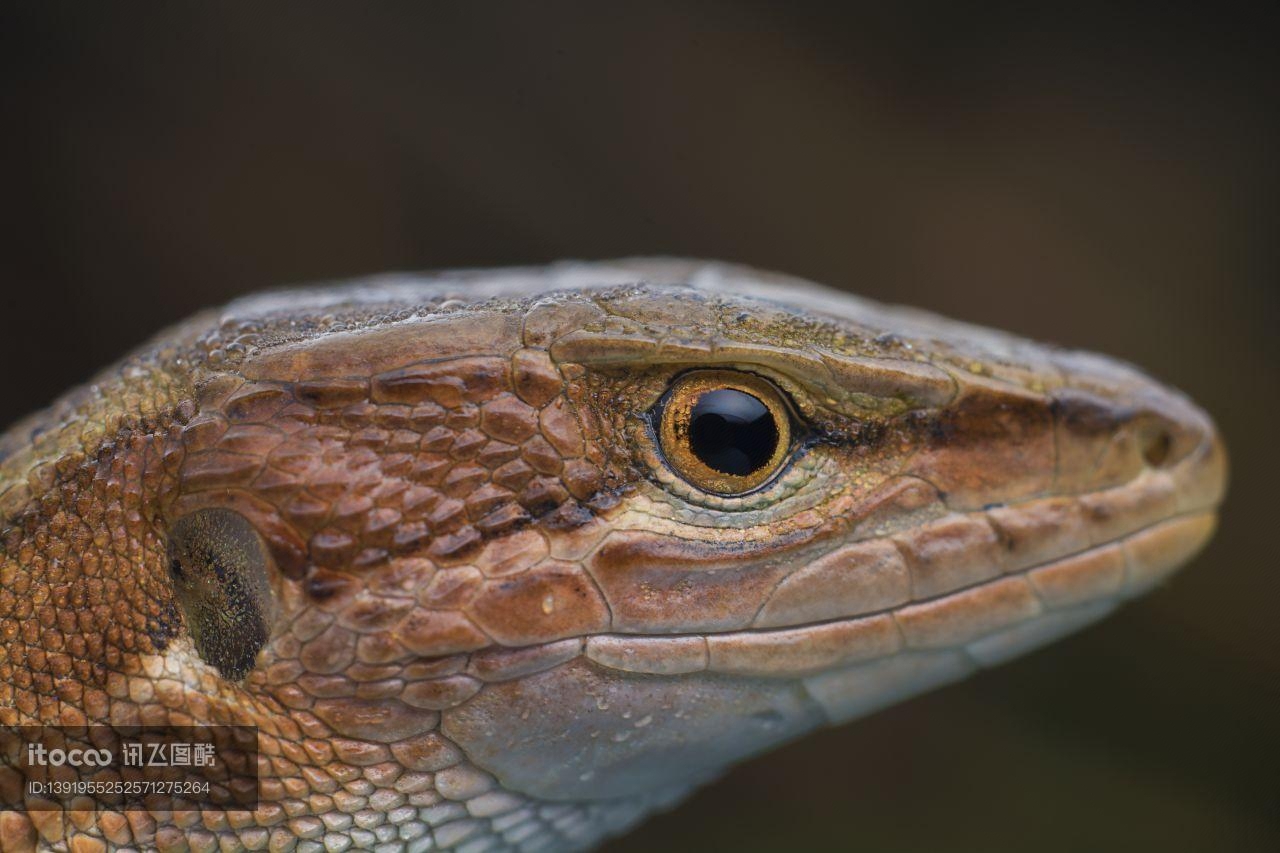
(1100, 180)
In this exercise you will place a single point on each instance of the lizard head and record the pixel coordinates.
(586, 534)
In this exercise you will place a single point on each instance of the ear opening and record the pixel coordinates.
(220, 570)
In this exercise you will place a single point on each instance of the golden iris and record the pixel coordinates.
(724, 431)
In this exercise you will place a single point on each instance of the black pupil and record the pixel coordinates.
(732, 432)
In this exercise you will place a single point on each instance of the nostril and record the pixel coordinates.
(1157, 445)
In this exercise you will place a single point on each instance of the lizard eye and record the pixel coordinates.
(724, 431)
(218, 564)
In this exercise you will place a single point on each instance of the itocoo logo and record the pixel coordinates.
(40, 756)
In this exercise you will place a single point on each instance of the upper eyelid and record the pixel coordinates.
(851, 385)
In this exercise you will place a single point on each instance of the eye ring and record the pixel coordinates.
(726, 432)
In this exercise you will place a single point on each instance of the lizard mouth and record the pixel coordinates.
(1016, 577)
(857, 664)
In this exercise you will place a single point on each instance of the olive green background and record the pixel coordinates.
(1101, 180)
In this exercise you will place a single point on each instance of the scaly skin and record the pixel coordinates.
(499, 620)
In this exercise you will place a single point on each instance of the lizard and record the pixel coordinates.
(509, 559)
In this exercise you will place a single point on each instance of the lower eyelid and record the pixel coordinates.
(792, 476)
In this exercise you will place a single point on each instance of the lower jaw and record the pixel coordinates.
(854, 666)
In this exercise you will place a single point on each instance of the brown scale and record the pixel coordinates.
(384, 534)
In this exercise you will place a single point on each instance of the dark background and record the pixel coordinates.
(1098, 180)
